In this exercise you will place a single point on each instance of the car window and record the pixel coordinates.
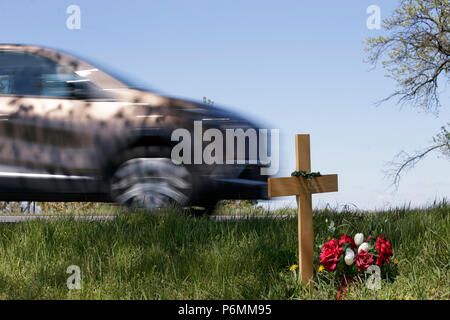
(33, 75)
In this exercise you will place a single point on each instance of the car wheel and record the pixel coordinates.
(151, 183)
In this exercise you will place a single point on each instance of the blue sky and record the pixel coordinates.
(293, 65)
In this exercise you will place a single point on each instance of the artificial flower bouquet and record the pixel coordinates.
(351, 257)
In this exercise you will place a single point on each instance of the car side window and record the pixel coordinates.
(27, 74)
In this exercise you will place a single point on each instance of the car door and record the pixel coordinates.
(46, 144)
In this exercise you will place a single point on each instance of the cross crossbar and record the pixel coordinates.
(294, 186)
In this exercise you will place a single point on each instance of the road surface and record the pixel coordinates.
(23, 218)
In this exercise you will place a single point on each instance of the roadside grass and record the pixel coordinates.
(176, 256)
(14, 208)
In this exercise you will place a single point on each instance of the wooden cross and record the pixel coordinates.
(303, 189)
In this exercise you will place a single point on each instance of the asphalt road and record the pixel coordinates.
(23, 218)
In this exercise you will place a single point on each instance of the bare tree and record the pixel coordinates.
(405, 161)
(415, 54)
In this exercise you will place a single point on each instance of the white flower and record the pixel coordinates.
(331, 227)
(349, 257)
(359, 238)
(364, 246)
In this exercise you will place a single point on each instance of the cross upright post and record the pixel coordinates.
(304, 210)
(303, 189)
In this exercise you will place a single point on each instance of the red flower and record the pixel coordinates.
(363, 260)
(384, 249)
(330, 254)
(345, 238)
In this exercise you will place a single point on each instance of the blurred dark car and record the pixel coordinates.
(70, 131)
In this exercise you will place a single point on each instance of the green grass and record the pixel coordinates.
(174, 256)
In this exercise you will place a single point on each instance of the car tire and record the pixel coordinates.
(151, 184)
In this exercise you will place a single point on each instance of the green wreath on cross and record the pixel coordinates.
(305, 174)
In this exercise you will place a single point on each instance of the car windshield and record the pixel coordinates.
(130, 81)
